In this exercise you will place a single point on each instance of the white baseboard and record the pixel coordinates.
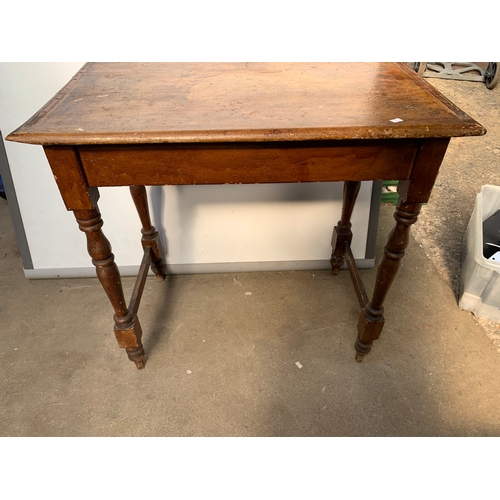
(203, 268)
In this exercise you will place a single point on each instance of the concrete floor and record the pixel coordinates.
(222, 353)
(470, 163)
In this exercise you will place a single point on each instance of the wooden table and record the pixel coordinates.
(155, 124)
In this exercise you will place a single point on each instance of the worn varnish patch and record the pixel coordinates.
(132, 103)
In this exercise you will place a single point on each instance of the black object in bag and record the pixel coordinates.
(491, 234)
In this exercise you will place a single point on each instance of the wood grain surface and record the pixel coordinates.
(247, 163)
(141, 103)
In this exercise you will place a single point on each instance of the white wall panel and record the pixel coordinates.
(204, 227)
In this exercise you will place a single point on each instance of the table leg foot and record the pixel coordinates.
(342, 233)
(371, 319)
(128, 333)
(160, 277)
(150, 237)
(137, 356)
(335, 269)
(127, 328)
(361, 349)
(370, 325)
(157, 265)
(336, 260)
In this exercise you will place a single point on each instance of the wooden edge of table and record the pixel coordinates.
(17, 136)
(438, 95)
(466, 127)
(471, 128)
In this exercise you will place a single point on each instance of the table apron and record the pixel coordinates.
(247, 163)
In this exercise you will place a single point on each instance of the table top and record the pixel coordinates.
(146, 103)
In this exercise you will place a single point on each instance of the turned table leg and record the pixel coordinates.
(150, 238)
(371, 319)
(127, 327)
(342, 233)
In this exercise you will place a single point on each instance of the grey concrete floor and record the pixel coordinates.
(222, 353)
(470, 163)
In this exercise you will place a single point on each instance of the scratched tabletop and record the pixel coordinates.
(141, 103)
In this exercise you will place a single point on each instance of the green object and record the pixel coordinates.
(389, 192)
